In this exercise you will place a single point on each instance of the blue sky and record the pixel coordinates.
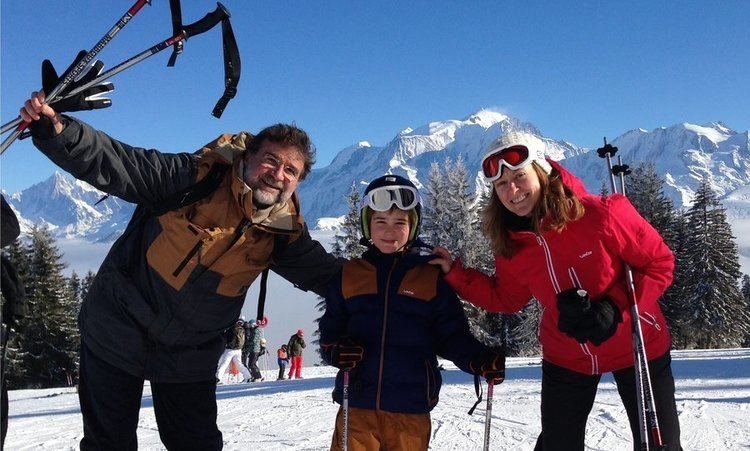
(362, 71)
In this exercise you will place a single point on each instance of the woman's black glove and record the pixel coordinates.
(343, 354)
(490, 365)
(587, 320)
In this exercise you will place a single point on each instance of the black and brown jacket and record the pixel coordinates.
(403, 314)
(172, 283)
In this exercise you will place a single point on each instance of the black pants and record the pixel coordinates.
(567, 399)
(253, 367)
(282, 368)
(111, 398)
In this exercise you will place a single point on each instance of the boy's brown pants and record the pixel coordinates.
(372, 430)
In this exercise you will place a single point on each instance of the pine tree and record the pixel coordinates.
(433, 205)
(88, 279)
(746, 296)
(673, 302)
(49, 342)
(716, 315)
(645, 189)
(74, 287)
(15, 372)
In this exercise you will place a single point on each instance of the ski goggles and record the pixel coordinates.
(385, 197)
(514, 157)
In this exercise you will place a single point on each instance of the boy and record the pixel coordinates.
(388, 315)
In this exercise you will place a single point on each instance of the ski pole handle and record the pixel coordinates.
(208, 21)
(52, 96)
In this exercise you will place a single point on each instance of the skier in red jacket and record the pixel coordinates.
(551, 240)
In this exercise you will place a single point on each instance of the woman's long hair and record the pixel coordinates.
(557, 205)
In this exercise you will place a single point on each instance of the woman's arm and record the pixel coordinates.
(638, 244)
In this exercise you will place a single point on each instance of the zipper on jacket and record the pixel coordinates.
(187, 258)
(239, 231)
(382, 337)
(548, 259)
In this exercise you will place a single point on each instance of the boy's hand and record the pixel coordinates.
(490, 365)
(344, 354)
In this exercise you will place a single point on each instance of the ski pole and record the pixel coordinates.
(345, 408)
(78, 70)
(209, 21)
(647, 418)
(488, 414)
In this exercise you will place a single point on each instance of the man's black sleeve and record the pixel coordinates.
(306, 264)
(137, 175)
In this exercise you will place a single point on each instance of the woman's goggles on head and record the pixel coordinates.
(385, 197)
(514, 157)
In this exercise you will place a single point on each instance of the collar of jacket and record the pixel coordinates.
(408, 258)
(282, 218)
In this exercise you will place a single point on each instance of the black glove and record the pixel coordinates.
(343, 354)
(88, 99)
(490, 365)
(584, 320)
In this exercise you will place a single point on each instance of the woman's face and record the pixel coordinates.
(518, 190)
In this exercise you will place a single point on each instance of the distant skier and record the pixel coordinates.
(282, 359)
(566, 248)
(294, 348)
(254, 351)
(233, 353)
(387, 317)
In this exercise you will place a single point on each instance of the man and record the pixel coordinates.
(294, 347)
(175, 280)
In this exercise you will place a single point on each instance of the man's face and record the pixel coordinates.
(273, 172)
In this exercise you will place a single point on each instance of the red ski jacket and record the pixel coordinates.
(588, 253)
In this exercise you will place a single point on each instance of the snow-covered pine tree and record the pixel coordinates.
(716, 315)
(50, 337)
(433, 205)
(15, 371)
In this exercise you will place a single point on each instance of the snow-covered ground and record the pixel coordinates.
(713, 401)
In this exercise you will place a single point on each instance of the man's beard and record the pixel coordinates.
(264, 199)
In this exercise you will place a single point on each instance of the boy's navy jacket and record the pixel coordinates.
(402, 313)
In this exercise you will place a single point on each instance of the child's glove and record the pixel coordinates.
(490, 365)
(583, 319)
(343, 354)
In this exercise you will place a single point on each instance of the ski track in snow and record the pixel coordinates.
(713, 401)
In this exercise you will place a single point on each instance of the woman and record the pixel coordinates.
(566, 248)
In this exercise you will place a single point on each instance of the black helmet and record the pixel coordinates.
(384, 193)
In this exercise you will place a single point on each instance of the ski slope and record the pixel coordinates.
(713, 401)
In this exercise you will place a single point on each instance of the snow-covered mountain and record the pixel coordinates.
(683, 153)
(410, 154)
(69, 207)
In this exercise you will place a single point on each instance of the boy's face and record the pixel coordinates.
(389, 230)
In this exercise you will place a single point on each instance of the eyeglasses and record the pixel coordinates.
(514, 157)
(385, 197)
